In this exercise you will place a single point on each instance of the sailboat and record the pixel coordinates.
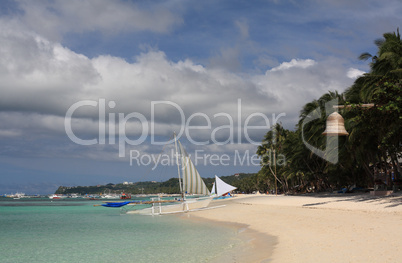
(220, 188)
(190, 183)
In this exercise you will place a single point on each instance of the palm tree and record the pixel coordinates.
(375, 133)
(271, 146)
(387, 62)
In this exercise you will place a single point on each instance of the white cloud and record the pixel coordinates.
(42, 79)
(298, 82)
(354, 73)
(38, 74)
(295, 63)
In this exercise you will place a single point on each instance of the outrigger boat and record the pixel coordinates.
(190, 183)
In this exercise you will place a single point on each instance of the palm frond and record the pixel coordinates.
(365, 56)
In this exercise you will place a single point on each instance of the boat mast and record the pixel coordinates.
(178, 166)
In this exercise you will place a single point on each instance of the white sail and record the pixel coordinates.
(192, 184)
(192, 181)
(221, 187)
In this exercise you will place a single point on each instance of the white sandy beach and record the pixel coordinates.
(331, 228)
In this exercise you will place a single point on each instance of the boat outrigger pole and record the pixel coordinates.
(178, 166)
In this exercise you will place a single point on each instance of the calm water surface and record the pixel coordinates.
(44, 230)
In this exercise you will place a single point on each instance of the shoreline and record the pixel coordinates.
(314, 228)
(254, 246)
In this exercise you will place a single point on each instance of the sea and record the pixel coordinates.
(74, 230)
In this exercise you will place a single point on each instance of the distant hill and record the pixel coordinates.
(170, 186)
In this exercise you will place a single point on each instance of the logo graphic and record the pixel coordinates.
(331, 151)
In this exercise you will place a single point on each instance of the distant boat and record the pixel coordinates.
(110, 196)
(125, 196)
(73, 196)
(220, 188)
(190, 183)
(17, 195)
(55, 196)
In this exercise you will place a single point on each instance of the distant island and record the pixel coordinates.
(244, 183)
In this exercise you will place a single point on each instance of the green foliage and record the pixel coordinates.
(375, 134)
(242, 181)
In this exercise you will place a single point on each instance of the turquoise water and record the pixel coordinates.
(76, 231)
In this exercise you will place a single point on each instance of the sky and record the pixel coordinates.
(91, 92)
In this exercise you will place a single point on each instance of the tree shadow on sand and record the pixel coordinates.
(392, 200)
